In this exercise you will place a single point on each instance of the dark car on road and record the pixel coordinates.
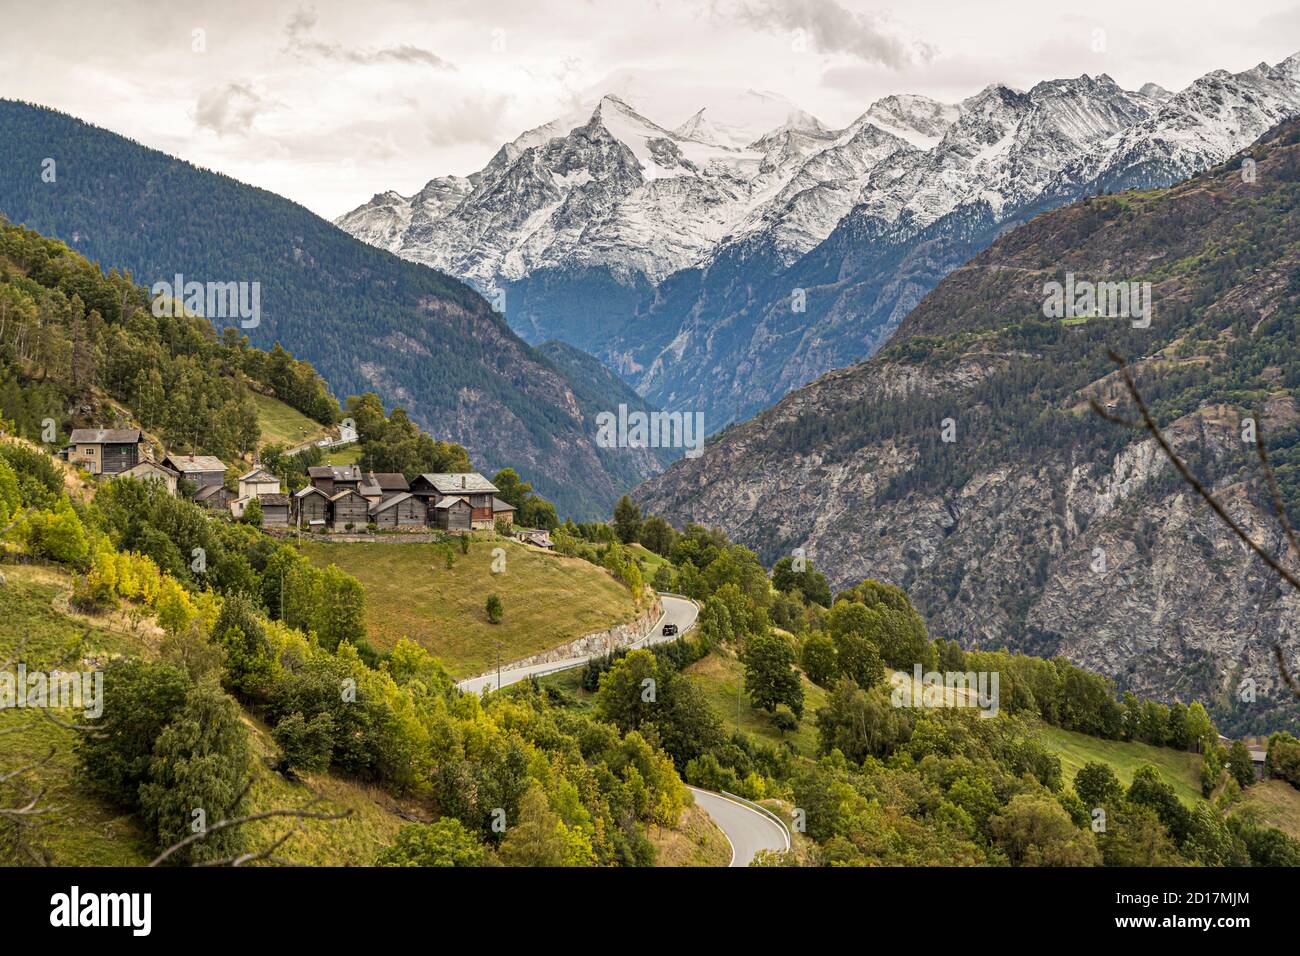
(670, 629)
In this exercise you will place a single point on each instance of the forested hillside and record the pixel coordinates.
(78, 348)
(964, 462)
(365, 319)
(223, 649)
(598, 389)
(812, 704)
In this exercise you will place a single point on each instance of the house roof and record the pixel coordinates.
(275, 501)
(389, 480)
(258, 474)
(337, 472)
(148, 466)
(499, 506)
(310, 490)
(451, 501)
(464, 482)
(208, 491)
(387, 503)
(105, 436)
(187, 464)
(344, 493)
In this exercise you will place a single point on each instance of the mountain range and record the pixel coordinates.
(367, 320)
(717, 266)
(964, 463)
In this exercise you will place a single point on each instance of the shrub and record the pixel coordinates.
(305, 744)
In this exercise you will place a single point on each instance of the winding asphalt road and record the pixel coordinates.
(748, 829)
(677, 611)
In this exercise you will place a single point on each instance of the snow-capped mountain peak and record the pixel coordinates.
(607, 186)
(919, 120)
(1154, 91)
(701, 129)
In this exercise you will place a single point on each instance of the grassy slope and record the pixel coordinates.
(84, 830)
(648, 561)
(1181, 770)
(696, 841)
(1277, 803)
(410, 592)
(282, 425)
(347, 455)
(80, 829)
(719, 677)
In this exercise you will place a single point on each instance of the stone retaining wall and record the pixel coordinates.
(620, 635)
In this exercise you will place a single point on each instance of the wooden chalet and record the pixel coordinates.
(312, 508)
(199, 470)
(476, 490)
(276, 510)
(332, 479)
(453, 513)
(400, 511)
(104, 451)
(390, 483)
(349, 511)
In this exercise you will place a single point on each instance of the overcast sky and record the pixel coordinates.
(331, 101)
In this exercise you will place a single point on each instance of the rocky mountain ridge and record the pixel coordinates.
(1040, 526)
(716, 277)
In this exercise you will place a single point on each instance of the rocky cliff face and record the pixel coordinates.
(1039, 526)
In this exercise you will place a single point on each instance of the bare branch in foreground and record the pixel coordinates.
(305, 813)
(1148, 423)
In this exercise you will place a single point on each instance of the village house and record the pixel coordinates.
(390, 483)
(476, 491)
(502, 511)
(199, 470)
(369, 489)
(332, 479)
(349, 511)
(214, 498)
(312, 508)
(104, 451)
(540, 539)
(152, 471)
(399, 511)
(254, 484)
(453, 513)
(276, 510)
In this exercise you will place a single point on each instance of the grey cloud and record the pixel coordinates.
(833, 29)
(302, 25)
(474, 119)
(230, 108)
